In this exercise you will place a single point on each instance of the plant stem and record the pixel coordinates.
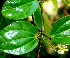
(40, 40)
(42, 33)
(49, 43)
(65, 11)
(35, 23)
(38, 27)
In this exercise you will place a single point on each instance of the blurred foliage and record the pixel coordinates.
(54, 4)
(67, 2)
(49, 19)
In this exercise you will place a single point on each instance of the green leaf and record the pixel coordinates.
(38, 17)
(2, 22)
(60, 32)
(17, 9)
(9, 21)
(47, 25)
(67, 2)
(18, 38)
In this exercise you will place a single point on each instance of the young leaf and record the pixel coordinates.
(17, 9)
(18, 38)
(60, 32)
(38, 17)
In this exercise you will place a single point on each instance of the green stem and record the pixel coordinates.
(48, 43)
(40, 40)
(42, 33)
(38, 27)
(45, 35)
(35, 23)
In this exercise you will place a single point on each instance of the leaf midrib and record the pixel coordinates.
(23, 45)
(23, 5)
(60, 27)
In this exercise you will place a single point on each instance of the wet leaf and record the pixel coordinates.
(19, 9)
(60, 32)
(18, 38)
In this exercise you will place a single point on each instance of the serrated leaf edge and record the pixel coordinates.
(62, 24)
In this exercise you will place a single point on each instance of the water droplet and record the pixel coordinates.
(12, 2)
(10, 34)
(3, 10)
(68, 22)
(20, 9)
(10, 24)
(16, 21)
(8, 1)
(17, 8)
(13, 42)
(9, 15)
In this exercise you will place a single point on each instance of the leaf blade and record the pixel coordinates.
(16, 36)
(20, 11)
(21, 50)
(61, 31)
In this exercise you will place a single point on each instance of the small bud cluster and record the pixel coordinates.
(62, 48)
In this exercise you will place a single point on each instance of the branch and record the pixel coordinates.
(65, 11)
(34, 22)
(49, 43)
(40, 40)
(42, 33)
(38, 27)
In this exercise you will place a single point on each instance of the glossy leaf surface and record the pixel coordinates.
(18, 38)
(19, 9)
(60, 32)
